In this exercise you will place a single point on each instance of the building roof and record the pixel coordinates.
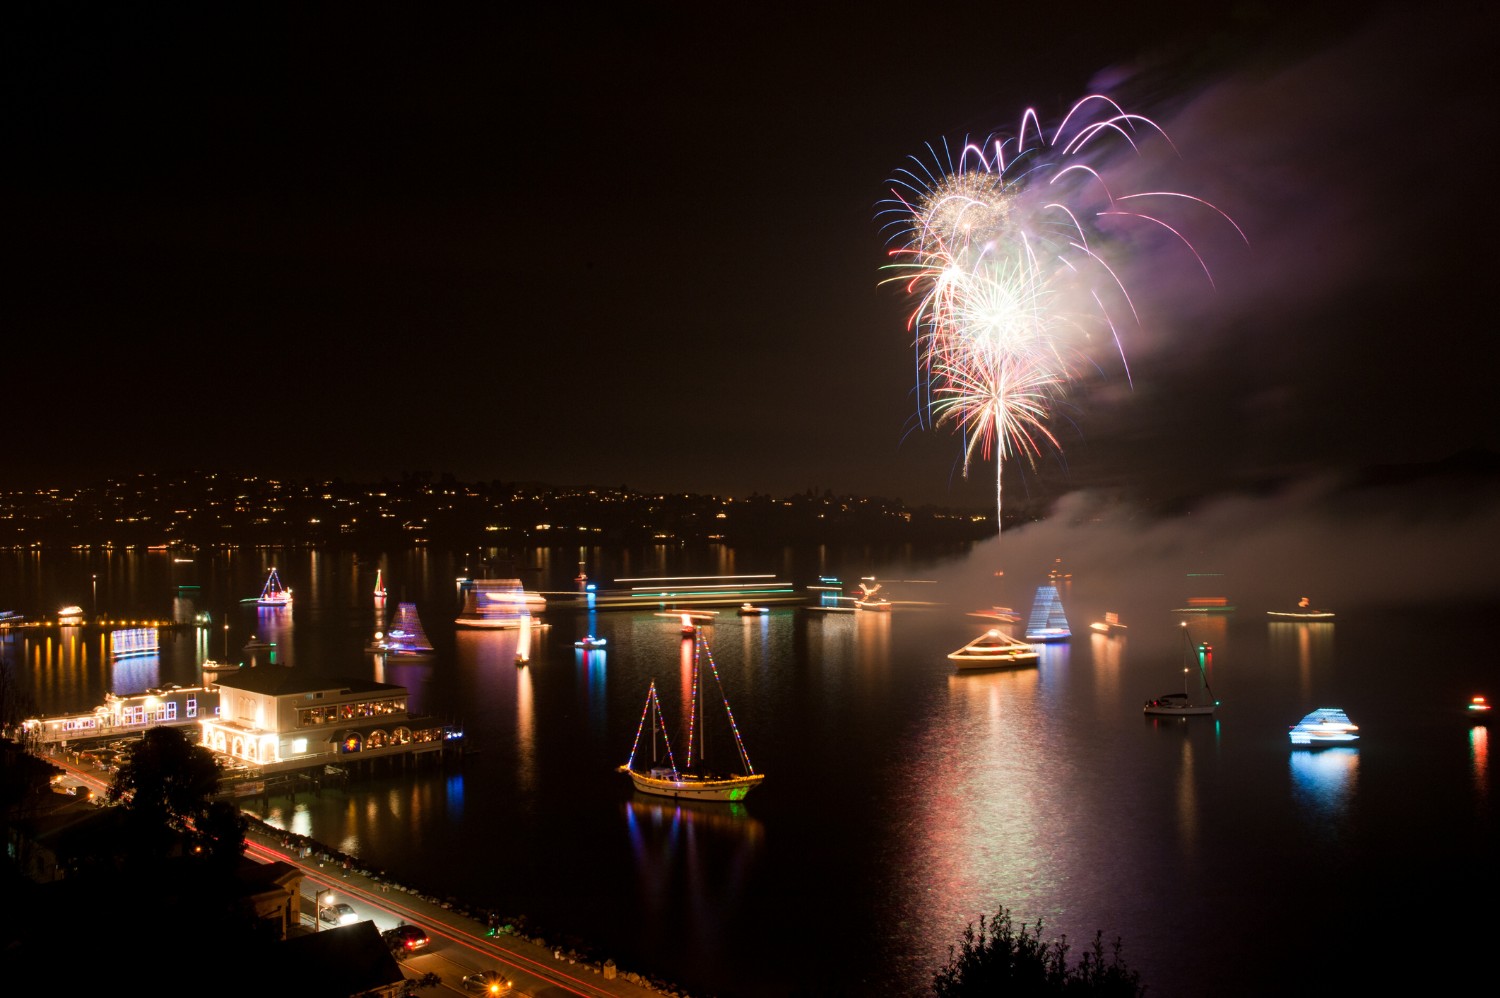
(278, 681)
(347, 960)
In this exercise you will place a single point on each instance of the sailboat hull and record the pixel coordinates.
(1173, 710)
(670, 784)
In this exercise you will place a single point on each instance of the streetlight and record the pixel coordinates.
(319, 906)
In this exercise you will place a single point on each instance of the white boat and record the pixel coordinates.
(1047, 622)
(70, 616)
(748, 610)
(1196, 697)
(589, 642)
(273, 593)
(405, 638)
(696, 780)
(994, 649)
(209, 665)
(1324, 726)
(497, 603)
(1304, 610)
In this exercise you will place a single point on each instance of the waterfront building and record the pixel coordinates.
(130, 714)
(281, 720)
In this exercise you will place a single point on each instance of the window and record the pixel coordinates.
(192, 706)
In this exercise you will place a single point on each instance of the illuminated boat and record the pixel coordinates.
(870, 599)
(1047, 622)
(1324, 726)
(1197, 697)
(70, 616)
(405, 638)
(695, 781)
(379, 585)
(209, 665)
(1109, 625)
(273, 593)
(497, 603)
(1003, 614)
(1303, 611)
(589, 642)
(747, 610)
(1478, 710)
(995, 650)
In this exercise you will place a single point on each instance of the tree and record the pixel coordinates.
(166, 786)
(999, 959)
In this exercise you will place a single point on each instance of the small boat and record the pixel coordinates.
(869, 598)
(405, 638)
(1196, 697)
(1002, 614)
(695, 781)
(273, 593)
(379, 585)
(995, 649)
(1047, 622)
(1057, 574)
(589, 641)
(70, 616)
(1304, 610)
(747, 610)
(209, 665)
(1109, 625)
(1324, 726)
(1478, 710)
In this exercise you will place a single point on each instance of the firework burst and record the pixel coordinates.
(1004, 252)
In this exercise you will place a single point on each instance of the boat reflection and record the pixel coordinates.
(1323, 781)
(704, 851)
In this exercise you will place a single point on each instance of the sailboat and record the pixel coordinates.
(273, 593)
(994, 649)
(695, 781)
(379, 586)
(1047, 622)
(1187, 703)
(405, 637)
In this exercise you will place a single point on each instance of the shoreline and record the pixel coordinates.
(484, 923)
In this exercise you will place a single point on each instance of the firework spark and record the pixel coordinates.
(1004, 253)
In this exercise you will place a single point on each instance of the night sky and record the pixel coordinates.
(638, 245)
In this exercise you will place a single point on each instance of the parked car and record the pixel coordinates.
(405, 939)
(490, 982)
(337, 914)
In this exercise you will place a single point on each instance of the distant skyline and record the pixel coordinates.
(639, 248)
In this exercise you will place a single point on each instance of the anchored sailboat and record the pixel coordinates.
(273, 593)
(695, 780)
(1196, 696)
(405, 637)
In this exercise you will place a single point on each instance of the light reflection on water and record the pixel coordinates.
(1324, 780)
(902, 800)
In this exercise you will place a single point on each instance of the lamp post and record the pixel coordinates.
(318, 908)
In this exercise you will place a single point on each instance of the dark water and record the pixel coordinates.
(902, 800)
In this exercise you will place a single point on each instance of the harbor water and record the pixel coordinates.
(903, 799)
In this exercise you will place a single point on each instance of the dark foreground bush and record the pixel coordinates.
(999, 959)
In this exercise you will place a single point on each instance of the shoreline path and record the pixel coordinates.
(536, 968)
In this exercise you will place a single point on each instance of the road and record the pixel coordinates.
(460, 944)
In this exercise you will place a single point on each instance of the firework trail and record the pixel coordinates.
(1005, 252)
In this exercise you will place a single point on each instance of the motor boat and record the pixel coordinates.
(1324, 726)
(748, 610)
(994, 649)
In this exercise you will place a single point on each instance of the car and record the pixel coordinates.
(490, 982)
(337, 914)
(405, 939)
